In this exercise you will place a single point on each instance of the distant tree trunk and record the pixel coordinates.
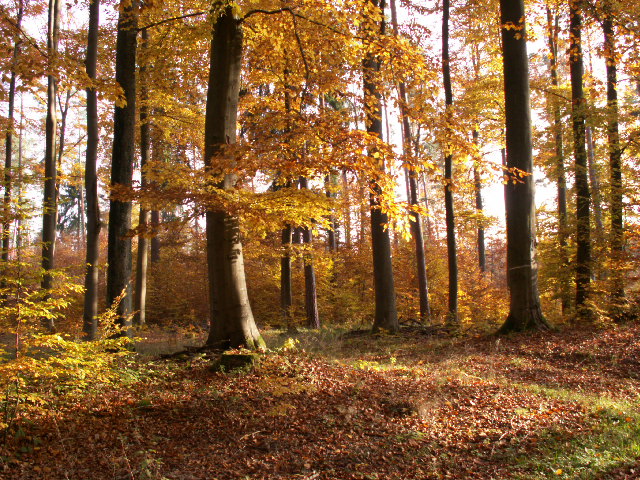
(346, 201)
(286, 295)
(49, 204)
(124, 122)
(561, 181)
(386, 314)
(452, 255)
(583, 199)
(412, 192)
(616, 235)
(477, 185)
(432, 232)
(140, 299)
(155, 240)
(232, 322)
(8, 173)
(525, 312)
(331, 182)
(310, 287)
(90, 323)
(594, 182)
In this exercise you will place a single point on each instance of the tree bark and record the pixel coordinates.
(386, 314)
(50, 204)
(477, 185)
(89, 317)
(452, 255)
(583, 198)
(412, 192)
(8, 167)
(525, 312)
(561, 181)
(310, 287)
(140, 298)
(594, 182)
(232, 322)
(119, 240)
(616, 235)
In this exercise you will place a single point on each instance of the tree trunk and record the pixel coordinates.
(477, 185)
(522, 270)
(310, 288)
(561, 181)
(232, 322)
(594, 182)
(119, 242)
(286, 295)
(412, 192)
(583, 199)
(90, 323)
(386, 314)
(155, 240)
(616, 235)
(140, 299)
(8, 172)
(49, 204)
(452, 255)
(346, 201)
(331, 183)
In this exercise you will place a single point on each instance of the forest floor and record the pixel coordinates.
(329, 406)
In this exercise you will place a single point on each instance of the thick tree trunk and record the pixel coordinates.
(140, 298)
(8, 167)
(232, 322)
(522, 270)
(386, 314)
(412, 192)
(119, 241)
(286, 295)
(583, 198)
(49, 204)
(561, 181)
(90, 322)
(616, 235)
(452, 255)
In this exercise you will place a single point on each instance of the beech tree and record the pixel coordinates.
(232, 322)
(91, 179)
(525, 312)
(386, 314)
(583, 199)
(452, 255)
(124, 121)
(49, 203)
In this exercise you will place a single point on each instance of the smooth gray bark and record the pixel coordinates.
(525, 312)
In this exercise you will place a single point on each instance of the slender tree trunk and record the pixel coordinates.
(8, 168)
(310, 287)
(561, 181)
(232, 322)
(331, 182)
(155, 240)
(140, 299)
(583, 198)
(452, 255)
(616, 235)
(477, 185)
(412, 192)
(386, 314)
(119, 241)
(286, 295)
(525, 312)
(346, 201)
(594, 182)
(50, 206)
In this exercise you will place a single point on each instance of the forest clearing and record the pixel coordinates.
(553, 405)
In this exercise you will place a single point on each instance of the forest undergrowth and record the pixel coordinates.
(325, 405)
